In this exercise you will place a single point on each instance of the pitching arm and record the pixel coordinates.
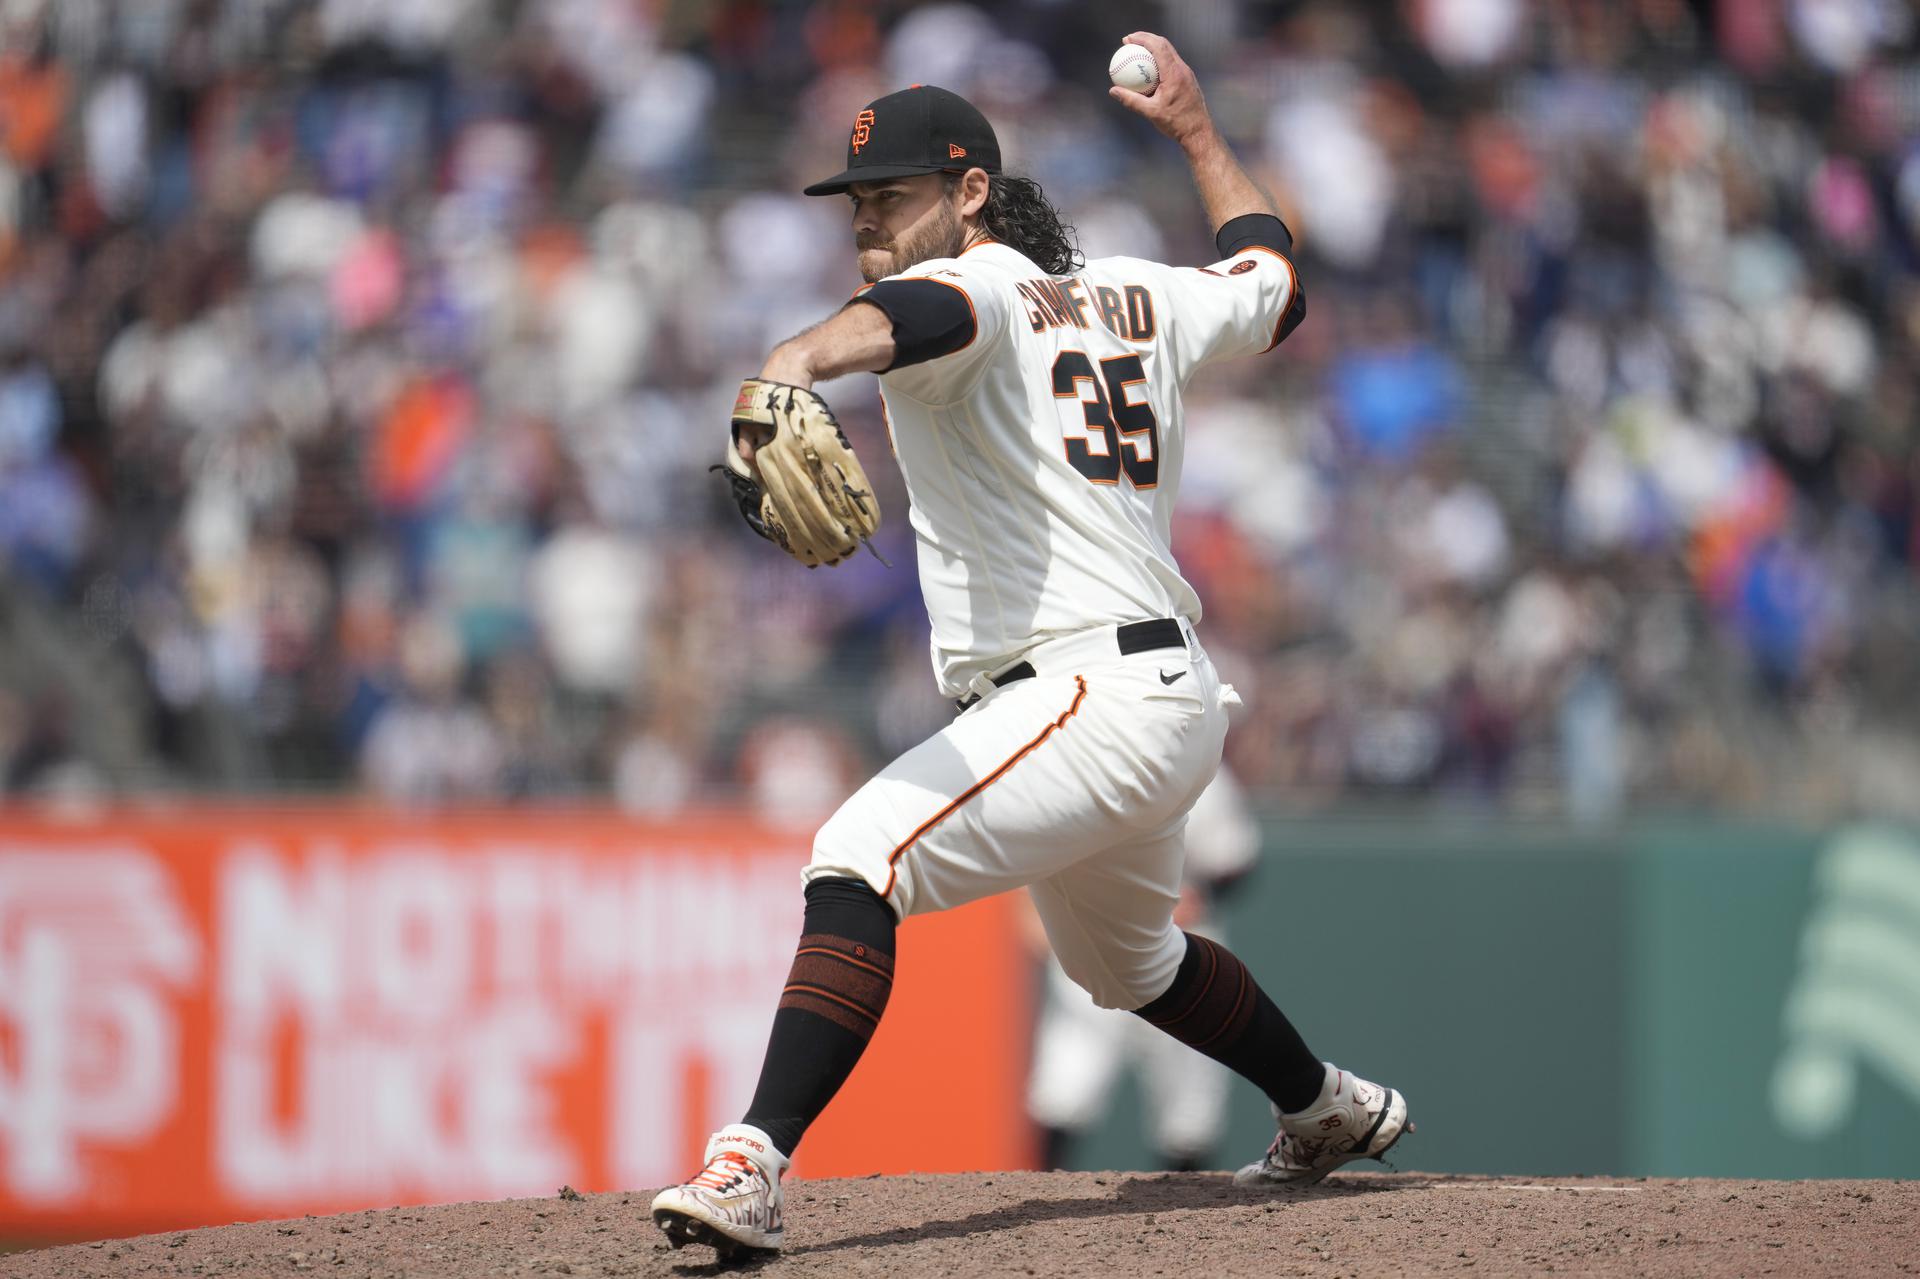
(1179, 110)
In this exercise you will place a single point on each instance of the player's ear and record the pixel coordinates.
(974, 184)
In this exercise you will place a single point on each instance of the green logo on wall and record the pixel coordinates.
(1856, 996)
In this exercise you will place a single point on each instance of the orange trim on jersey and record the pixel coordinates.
(1129, 292)
(1099, 397)
(1251, 248)
(1293, 286)
(977, 244)
(1126, 437)
(1293, 292)
(893, 871)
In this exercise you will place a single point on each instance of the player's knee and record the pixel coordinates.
(848, 892)
(1127, 979)
(850, 846)
(827, 868)
(845, 906)
(1109, 987)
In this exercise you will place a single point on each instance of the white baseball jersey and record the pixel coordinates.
(1042, 459)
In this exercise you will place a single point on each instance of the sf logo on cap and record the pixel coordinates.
(862, 130)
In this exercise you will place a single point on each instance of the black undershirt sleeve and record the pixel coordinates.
(1268, 232)
(930, 318)
(1251, 229)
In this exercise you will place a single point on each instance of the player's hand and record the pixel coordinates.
(1176, 106)
(748, 437)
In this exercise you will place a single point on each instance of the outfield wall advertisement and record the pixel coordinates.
(211, 1016)
(215, 1015)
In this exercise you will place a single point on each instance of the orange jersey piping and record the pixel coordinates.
(893, 870)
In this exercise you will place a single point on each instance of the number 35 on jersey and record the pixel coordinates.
(1109, 427)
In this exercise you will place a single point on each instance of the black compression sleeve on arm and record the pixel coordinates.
(1250, 229)
(930, 318)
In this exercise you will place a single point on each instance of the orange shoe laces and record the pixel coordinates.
(724, 1170)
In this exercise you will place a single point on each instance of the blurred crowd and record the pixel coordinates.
(361, 363)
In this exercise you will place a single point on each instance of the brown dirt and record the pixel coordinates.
(1111, 1225)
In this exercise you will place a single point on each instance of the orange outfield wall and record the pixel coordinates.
(217, 1014)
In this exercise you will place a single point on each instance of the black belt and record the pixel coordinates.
(1134, 637)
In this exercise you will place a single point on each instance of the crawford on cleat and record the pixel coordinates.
(732, 1205)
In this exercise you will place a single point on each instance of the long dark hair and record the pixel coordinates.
(1017, 214)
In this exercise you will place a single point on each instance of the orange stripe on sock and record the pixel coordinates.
(797, 989)
(893, 871)
(1239, 1001)
(1213, 971)
(844, 958)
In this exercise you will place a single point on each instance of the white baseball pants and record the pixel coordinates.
(1075, 784)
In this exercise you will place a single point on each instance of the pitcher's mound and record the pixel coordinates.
(1092, 1226)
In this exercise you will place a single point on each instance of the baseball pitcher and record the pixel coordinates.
(1034, 406)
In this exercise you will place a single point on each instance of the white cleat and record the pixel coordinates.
(1350, 1119)
(733, 1204)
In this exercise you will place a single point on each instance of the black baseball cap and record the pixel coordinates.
(921, 129)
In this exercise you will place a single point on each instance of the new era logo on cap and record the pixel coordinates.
(922, 129)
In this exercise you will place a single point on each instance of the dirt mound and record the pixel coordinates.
(1109, 1225)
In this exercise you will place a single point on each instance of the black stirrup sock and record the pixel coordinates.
(835, 994)
(1216, 1007)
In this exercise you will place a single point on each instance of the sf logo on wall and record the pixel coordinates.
(94, 950)
(1856, 999)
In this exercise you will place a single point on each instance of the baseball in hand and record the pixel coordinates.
(1132, 67)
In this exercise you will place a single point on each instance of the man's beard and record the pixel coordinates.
(938, 237)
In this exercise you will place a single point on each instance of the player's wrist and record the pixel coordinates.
(1201, 140)
(789, 365)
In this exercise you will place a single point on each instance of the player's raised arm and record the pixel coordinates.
(1178, 109)
(1251, 298)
